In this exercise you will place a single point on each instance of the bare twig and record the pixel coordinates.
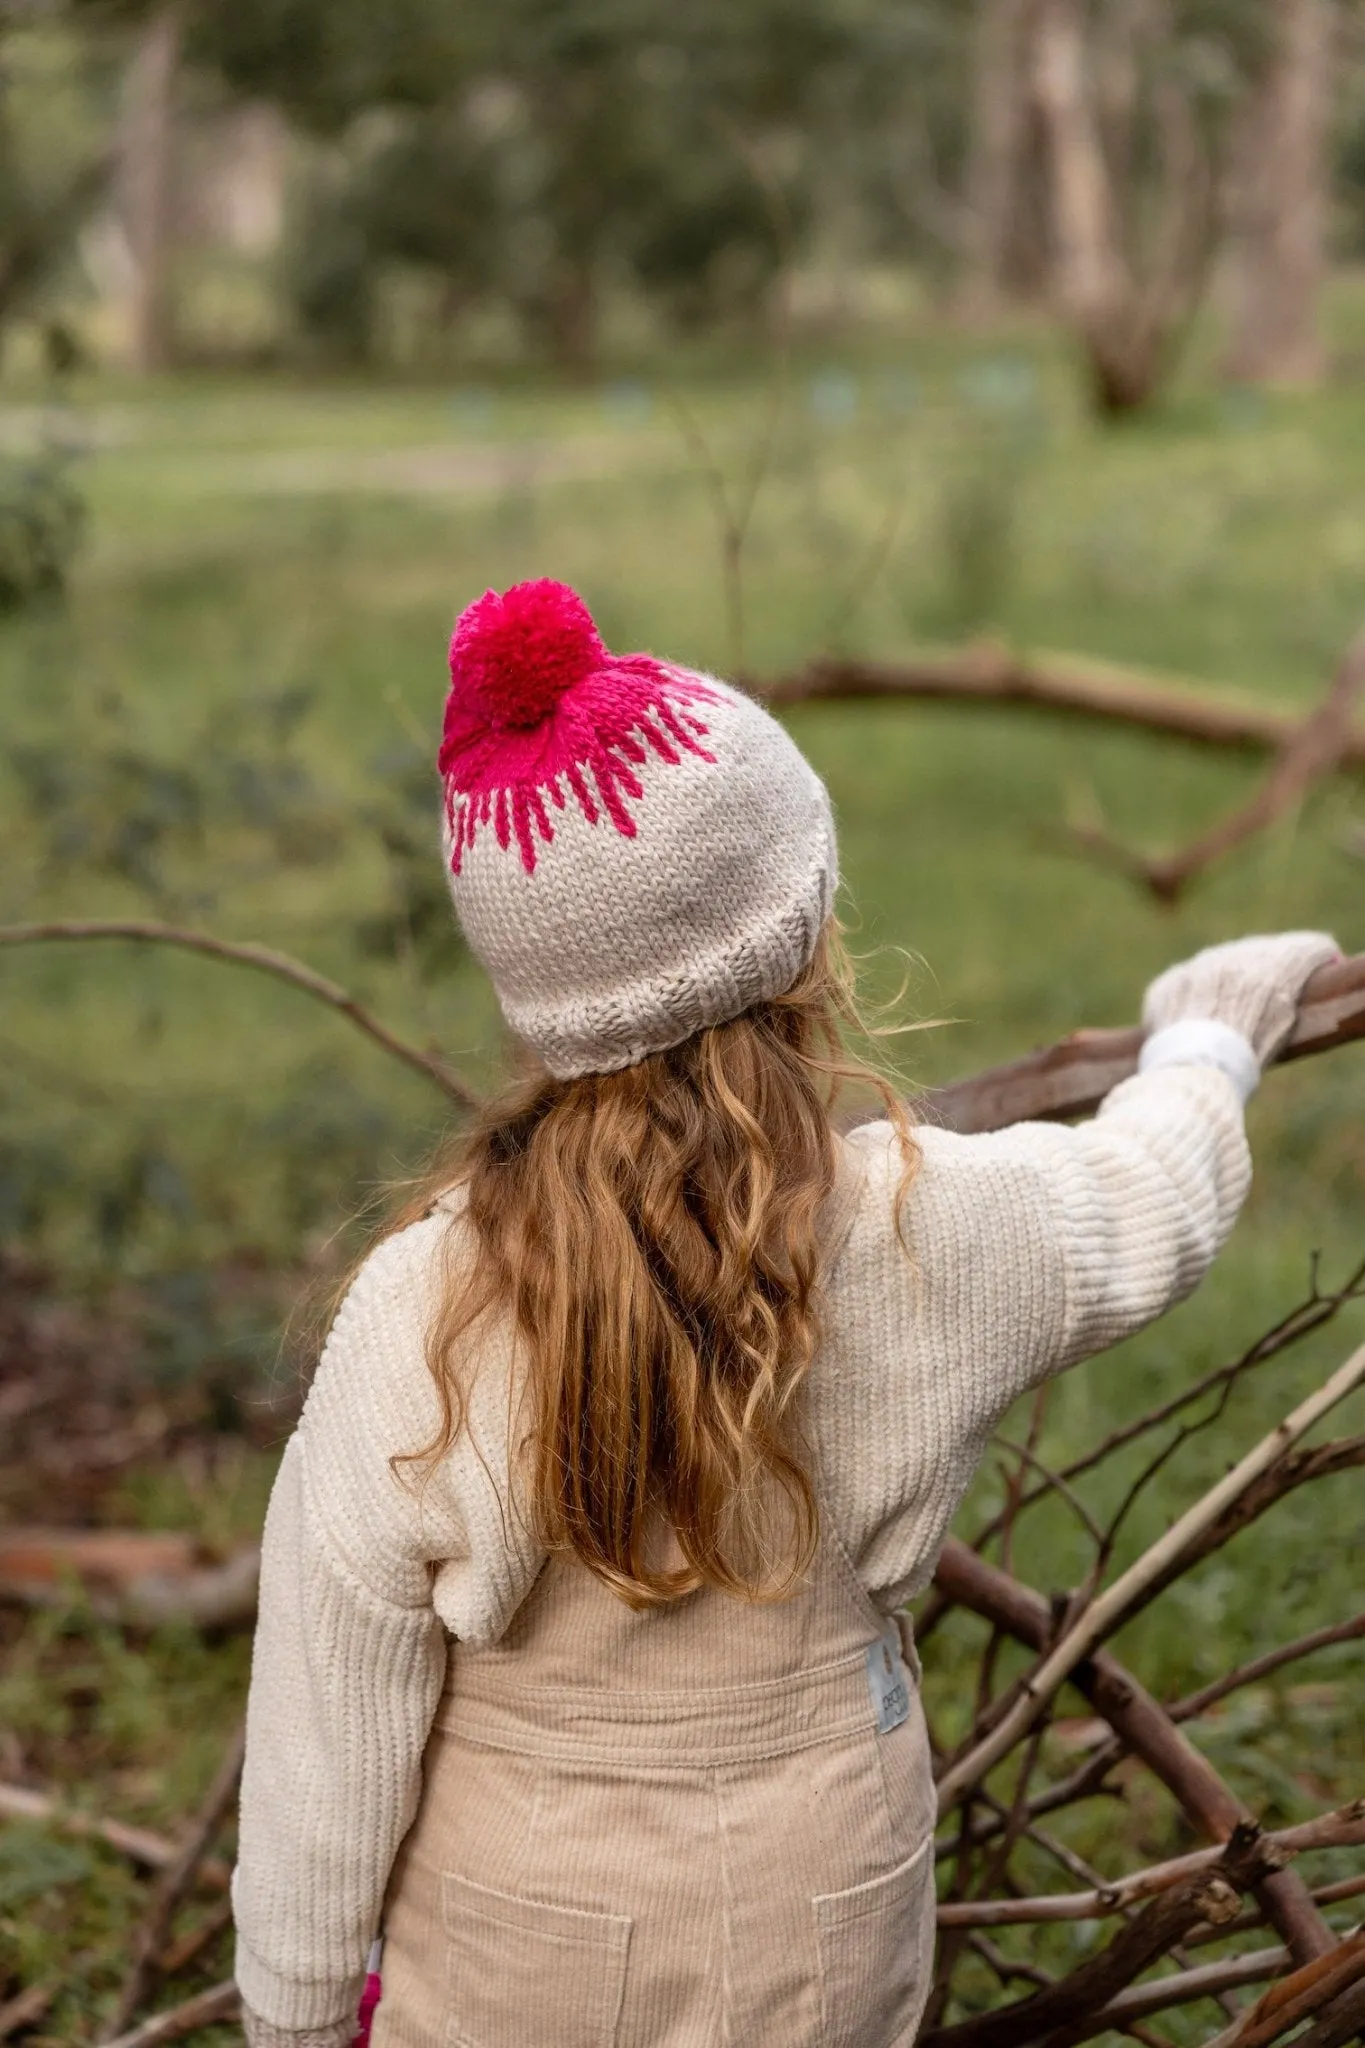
(1051, 2014)
(1311, 1314)
(1196, 1703)
(27, 2007)
(1053, 1482)
(1299, 1468)
(174, 1883)
(183, 1950)
(137, 1578)
(1208, 1981)
(1140, 1722)
(1005, 1967)
(1121, 1599)
(266, 961)
(1313, 753)
(1345, 1828)
(140, 1845)
(207, 2009)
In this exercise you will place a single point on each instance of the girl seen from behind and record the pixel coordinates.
(578, 1667)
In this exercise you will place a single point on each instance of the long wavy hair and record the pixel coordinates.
(654, 1238)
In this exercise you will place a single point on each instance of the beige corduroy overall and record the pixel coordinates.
(670, 1829)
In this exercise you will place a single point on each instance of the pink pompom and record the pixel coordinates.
(517, 652)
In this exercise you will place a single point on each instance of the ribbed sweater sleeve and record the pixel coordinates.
(1019, 1253)
(363, 1570)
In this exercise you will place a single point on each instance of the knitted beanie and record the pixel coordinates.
(635, 851)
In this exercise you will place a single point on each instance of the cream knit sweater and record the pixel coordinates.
(1029, 1249)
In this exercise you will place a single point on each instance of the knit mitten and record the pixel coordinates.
(263, 2034)
(1251, 986)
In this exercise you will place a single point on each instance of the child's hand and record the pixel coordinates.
(1251, 985)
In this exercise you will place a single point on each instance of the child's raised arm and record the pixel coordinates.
(1028, 1249)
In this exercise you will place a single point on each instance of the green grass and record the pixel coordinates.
(230, 705)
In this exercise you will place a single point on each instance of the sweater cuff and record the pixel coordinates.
(302, 2014)
(1203, 1042)
(261, 2034)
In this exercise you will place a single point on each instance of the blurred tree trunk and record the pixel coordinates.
(1126, 305)
(1281, 204)
(145, 149)
(571, 314)
(998, 144)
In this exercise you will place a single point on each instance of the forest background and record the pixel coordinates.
(936, 334)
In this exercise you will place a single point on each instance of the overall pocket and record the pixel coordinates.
(876, 1947)
(520, 1974)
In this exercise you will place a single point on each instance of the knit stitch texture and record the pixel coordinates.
(634, 851)
(1030, 1249)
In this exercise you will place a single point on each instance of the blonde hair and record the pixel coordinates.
(653, 1236)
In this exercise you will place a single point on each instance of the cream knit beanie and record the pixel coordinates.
(634, 850)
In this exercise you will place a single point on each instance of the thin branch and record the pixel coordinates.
(1197, 1703)
(1052, 2014)
(1065, 685)
(1054, 1482)
(1142, 1725)
(27, 2007)
(1313, 752)
(140, 1845)
(1308, 1316)
(1006, 1969)
(1126, 1594)
(174, 1882)
(183, 1950)
(266, 961)
(207, 2009)
(1343, 1829)
(1300, 1468)
(1211, 1979)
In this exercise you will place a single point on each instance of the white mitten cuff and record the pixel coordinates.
(1203, 1042)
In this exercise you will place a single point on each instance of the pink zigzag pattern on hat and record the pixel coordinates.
(539, 712)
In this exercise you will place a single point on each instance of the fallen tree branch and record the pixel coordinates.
(1312, 752)
(1341, 2021)
(987, 673)
(138, 1578)
(183, 1950)
(1072, 1078)
(1155, 1566)
(26, 2008)
(1232, 1974)
(1342, 1829)
(1143, 1725)
(266, 961)
(140, 1845)
(206, 2009)
(173, 1883)
(1050, 2015)
(1297, 1997)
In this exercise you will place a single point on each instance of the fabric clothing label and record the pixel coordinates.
(887, 1680)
